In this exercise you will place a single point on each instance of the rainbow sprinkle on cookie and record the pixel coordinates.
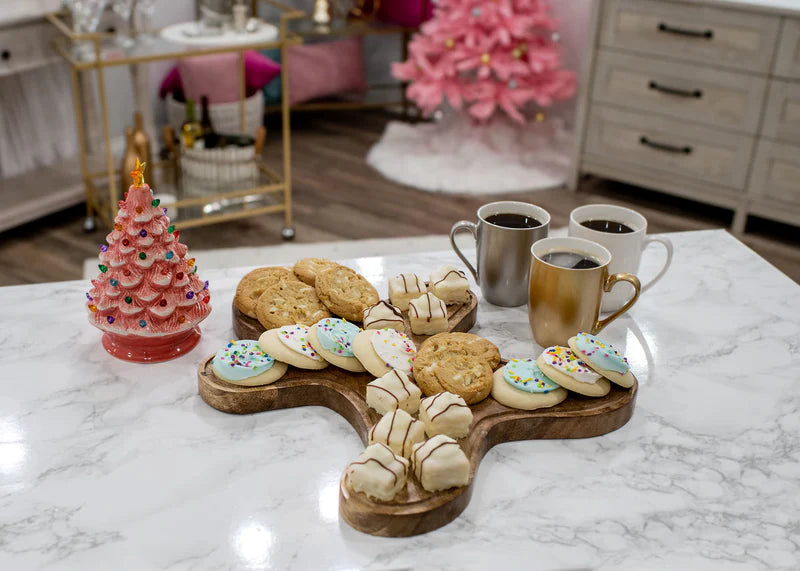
(240, 360)
(600, 354)
(395, 349)
(564, 361)
(336, 335)
(295, 337)
(525, 375)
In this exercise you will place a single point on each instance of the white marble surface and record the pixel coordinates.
(111, 465)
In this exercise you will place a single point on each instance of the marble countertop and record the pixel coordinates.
(106, 464)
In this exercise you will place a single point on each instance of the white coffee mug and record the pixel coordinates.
(626, 248)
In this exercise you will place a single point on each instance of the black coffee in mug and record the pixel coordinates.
(608, 226)
(570, 260)
(513, 221)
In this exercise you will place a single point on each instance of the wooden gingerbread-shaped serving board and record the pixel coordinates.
(414, 510)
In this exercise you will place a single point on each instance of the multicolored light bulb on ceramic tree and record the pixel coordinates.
(147, 298)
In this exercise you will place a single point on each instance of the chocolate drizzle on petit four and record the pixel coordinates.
(391, 429)
(390, 307)
(430, 452)
(430, 308)
(381, 464)
(457, 272)
(445, 409)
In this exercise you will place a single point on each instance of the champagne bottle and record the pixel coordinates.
(141, 142)
(128, 161)
(210, 137)
(191, 130)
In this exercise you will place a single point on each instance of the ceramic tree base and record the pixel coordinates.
(141, 349)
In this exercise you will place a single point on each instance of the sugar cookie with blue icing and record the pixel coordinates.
(522, 384)
(566, 369)
(290, 344)
(244, 363)
(333, 339)
(603, 358)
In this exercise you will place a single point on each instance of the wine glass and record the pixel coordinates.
(86, 16)
(88, 13)
(146, 9)
(123, 9)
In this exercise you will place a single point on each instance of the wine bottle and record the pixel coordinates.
(191, 130)
(210, 137)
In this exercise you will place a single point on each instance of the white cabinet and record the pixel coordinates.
(698, 98)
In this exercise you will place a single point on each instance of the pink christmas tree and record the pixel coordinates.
(147, 298)
(486, 54)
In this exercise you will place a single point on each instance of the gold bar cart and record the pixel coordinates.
(272, 192)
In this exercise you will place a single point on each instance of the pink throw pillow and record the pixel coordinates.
(409, 13)
(171, 83)
(318, 70)
(217, 76)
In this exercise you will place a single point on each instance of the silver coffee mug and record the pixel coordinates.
(503, 248)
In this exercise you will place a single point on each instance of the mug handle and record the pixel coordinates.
(473, 229)
(668, 247)
(610, 281)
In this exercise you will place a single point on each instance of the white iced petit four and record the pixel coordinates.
(377, 472)
(439, 464)
(445, 413)
(427, 315)
(384, 314)
(450, 285)
(393, 390)
(404, 288)
(399, 431)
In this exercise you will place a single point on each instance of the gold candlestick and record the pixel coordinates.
(321, 15)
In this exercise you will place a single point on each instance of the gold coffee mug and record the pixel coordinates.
(564, 300)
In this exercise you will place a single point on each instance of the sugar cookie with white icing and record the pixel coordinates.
(440, 464)
(243, 363)
(377, 472)
(427, 315)
(521, 384)
(381, 350)
(290, 344)
(384, 314)
(603, 358)
(333, 339)
(398, 430)
(393, 390)
(564, 367)
(405, 287)
(445, 413)
(450, 285)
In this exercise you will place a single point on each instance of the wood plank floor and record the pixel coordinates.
(337, 196)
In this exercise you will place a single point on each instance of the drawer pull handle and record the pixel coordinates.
(665, 147)
(5, 55)
(696, 93)
(700, 34)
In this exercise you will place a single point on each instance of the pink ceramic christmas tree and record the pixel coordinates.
(147, 298)
(485, 55)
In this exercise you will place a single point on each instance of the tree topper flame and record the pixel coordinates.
(137, 174)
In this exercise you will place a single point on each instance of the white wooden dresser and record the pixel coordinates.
(696, 98)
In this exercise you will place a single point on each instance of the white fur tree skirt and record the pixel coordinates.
(456, 156)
